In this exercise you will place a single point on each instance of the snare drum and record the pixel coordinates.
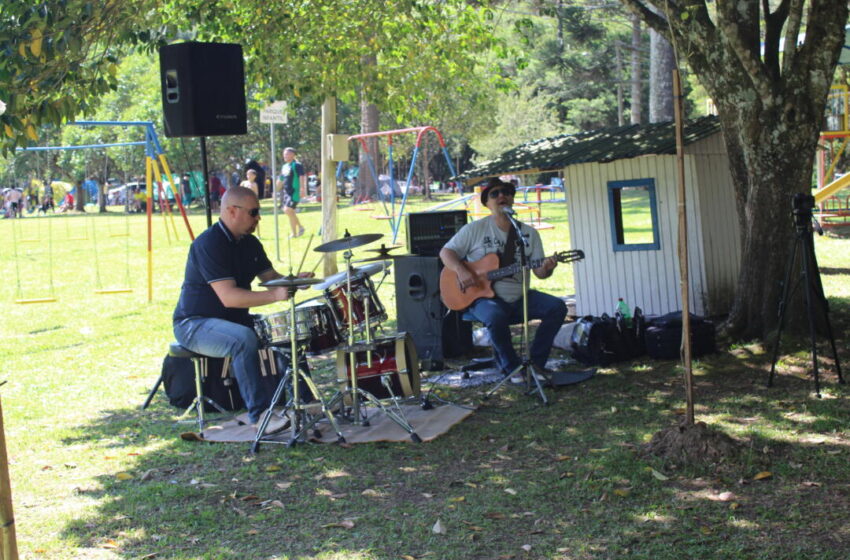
(394, 357)
(274, 329)
(362, 291)
(324, 334)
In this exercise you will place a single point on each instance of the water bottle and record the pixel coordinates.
(624, 312)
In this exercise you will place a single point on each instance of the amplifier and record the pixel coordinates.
(427, 232)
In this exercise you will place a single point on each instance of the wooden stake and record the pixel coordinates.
(683, 251)
(9, 545)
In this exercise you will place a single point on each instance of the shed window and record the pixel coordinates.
(634, 215)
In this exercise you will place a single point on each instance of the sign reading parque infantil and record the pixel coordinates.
(274, 113)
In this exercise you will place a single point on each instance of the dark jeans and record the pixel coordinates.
(498, 315)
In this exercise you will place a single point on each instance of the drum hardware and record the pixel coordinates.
(348, 242)
(296, 374)
(351, 394)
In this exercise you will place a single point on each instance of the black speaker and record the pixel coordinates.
(437, 332)
(427, 232)
(203, 89)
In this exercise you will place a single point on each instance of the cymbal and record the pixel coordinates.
(378, 257)
(385, 249)
(348, 242)
(356, 274)
(291, 282)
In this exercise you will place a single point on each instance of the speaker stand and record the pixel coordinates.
(205, 171)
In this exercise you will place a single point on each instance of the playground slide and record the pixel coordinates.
(832, 188)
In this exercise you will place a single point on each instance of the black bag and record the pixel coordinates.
(178, 377)
(600, 341)
(664, 336)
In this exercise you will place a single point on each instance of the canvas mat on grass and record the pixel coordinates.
(428, 425)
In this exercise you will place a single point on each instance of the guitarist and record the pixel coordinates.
(491, 235)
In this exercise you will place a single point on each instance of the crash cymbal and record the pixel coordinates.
(291, 282)
(348, 242)
(339, 278)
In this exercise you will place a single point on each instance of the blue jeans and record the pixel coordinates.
(218, 338)
(498, 315)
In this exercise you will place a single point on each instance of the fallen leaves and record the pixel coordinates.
(438, 528)
(763, 475)
(344, 524)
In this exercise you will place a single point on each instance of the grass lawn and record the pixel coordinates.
(93, 476)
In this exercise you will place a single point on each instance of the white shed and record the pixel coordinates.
(623, 213)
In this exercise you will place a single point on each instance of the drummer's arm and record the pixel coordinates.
(233, 296)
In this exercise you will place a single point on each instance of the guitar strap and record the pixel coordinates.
(508, 256)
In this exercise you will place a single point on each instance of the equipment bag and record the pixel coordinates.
(600, 341)
(664, 336)
(178, 377)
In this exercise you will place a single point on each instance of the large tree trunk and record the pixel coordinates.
(771, 105)
(637, 82)
(662, 60)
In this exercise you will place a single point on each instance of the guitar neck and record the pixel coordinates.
(500, 273)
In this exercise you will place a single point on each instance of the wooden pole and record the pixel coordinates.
(329, 193)
(9, 546)
(683, 250)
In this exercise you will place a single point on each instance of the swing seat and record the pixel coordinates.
(114, 291)
(36, 300)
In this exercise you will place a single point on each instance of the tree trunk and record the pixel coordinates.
(637, 92)
(662, 60)
(366, 186)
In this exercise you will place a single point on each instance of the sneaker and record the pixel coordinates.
(277, 423)
(299, 234)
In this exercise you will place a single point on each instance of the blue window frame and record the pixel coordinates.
(634, 215)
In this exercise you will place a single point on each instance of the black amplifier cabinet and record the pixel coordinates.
(427, 232)
(437, 332)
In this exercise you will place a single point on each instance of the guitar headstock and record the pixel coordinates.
(568, 256)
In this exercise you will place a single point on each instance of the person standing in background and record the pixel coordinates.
(289, 183)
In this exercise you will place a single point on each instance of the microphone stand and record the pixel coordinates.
(532, 383)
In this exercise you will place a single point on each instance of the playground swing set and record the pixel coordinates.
(156, 167)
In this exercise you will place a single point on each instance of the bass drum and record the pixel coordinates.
(393, 358)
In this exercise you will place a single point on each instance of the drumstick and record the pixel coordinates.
(317, 263)
(304, 256)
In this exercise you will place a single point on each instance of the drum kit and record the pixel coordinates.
(382, 371)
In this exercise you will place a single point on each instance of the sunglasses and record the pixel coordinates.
(253, 212)
(496, 192)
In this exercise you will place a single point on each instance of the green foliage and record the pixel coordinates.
(59, 58)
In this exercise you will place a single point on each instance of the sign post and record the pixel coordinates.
(275, 113)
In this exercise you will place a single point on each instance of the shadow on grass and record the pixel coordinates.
(568, 479)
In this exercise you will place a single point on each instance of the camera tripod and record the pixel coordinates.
(803, 247)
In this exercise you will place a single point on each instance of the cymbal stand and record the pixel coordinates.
(299, 424)
(354, 391)
(532, 382)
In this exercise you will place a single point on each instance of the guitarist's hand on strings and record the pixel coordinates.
(464, 277)
(545, 269)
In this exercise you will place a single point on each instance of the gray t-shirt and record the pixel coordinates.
(482, 237)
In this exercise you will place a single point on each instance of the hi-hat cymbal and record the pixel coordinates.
(385, 249)
(378, 257)
(348, 242)
(291, 282)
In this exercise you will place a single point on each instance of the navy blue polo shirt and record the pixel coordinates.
(217, 255)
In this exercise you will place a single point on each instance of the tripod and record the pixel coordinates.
(803, 245)
(301, 421)
(532, 381)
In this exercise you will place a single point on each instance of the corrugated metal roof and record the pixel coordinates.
(603, 145)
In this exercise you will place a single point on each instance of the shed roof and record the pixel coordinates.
(603, 145)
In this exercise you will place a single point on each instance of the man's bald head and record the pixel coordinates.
(237, 196)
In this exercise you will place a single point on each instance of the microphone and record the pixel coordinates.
(508, 210)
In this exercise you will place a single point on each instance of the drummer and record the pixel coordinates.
(211, 317)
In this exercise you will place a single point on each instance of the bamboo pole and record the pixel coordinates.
(683, 250)
(9, 545)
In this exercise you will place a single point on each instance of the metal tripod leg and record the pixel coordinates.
(326, 411)
(532, 383)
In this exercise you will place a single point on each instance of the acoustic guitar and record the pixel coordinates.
(486, 271)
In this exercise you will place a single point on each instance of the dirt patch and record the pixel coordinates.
(693, 444)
